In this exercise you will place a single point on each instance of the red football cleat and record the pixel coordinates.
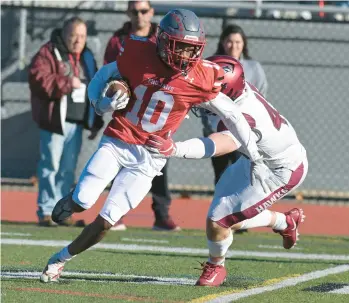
(212, 275)
(294, 218)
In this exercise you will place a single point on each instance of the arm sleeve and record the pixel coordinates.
(100, 79)
(235, 122)
(196, 148)
(45, 82)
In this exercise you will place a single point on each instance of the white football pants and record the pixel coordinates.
(132, 168)
(235, 199)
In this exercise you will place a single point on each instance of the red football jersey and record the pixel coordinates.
(160, 99)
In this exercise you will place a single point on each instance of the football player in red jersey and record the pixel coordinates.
(238, 201)
(167, 77)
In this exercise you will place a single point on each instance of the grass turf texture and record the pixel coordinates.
(129, 286)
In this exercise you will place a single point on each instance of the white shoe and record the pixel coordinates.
(53, 270)
(119, 226)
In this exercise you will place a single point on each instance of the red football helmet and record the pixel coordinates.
(180, 40)
(234, 78)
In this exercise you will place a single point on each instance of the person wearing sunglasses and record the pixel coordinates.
(141, 14)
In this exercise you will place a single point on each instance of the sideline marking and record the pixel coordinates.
(342, 291)
(181, 250)
(144, 240)
(277, 247)
(285, 283)
(14, 234)
(98, 277)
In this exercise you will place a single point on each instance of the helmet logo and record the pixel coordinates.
(191, 38)
(227, 69)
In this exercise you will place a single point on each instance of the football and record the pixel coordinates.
(115, 85)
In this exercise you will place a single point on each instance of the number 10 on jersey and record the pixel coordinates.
(158, 107)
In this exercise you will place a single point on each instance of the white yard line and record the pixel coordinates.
(342, 291)
(277, 247)
(101, 277)
(15, 234)
(144, 240)
(285, 283)
(181, 250)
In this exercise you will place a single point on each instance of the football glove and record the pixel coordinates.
(160, 147)
(116, 102)
(262, 173)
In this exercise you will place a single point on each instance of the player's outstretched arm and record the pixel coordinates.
(238, 126)
(233, 119)
(216, 144)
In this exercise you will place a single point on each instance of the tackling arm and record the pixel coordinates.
(235, 122)
(217, 144)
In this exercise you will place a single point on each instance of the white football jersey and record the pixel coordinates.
(276, 139)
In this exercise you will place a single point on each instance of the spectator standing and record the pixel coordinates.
(141, 14)
(233, 42)
(58, 78)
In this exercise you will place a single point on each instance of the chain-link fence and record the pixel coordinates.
(306, 63)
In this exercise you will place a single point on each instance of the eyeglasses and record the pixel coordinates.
(135, 12)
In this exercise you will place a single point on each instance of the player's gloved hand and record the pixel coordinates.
(116, 102)
(261, 173)
(160, 147)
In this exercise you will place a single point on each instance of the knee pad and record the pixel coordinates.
(220, 248)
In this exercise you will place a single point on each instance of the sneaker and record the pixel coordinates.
(212, 275)
(46, 221)
(290, 235)
(165, 225)
(119, 226)
(53, 270)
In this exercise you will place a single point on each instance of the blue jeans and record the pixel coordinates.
(57, 164)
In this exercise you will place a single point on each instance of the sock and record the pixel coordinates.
(219, 249)
(64, 255)
(261, 220)
(280, 222)
(220, 262)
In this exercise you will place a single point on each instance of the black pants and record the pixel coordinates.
(221, 163)
(161, 196)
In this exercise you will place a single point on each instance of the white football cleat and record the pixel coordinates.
(53, 270)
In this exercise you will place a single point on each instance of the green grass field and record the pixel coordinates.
(140, 265)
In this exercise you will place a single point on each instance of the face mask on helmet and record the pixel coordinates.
(181, 55)
(180, 40)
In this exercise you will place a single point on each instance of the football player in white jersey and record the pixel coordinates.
(240, 201)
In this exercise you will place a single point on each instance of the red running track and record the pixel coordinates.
(20, 206)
